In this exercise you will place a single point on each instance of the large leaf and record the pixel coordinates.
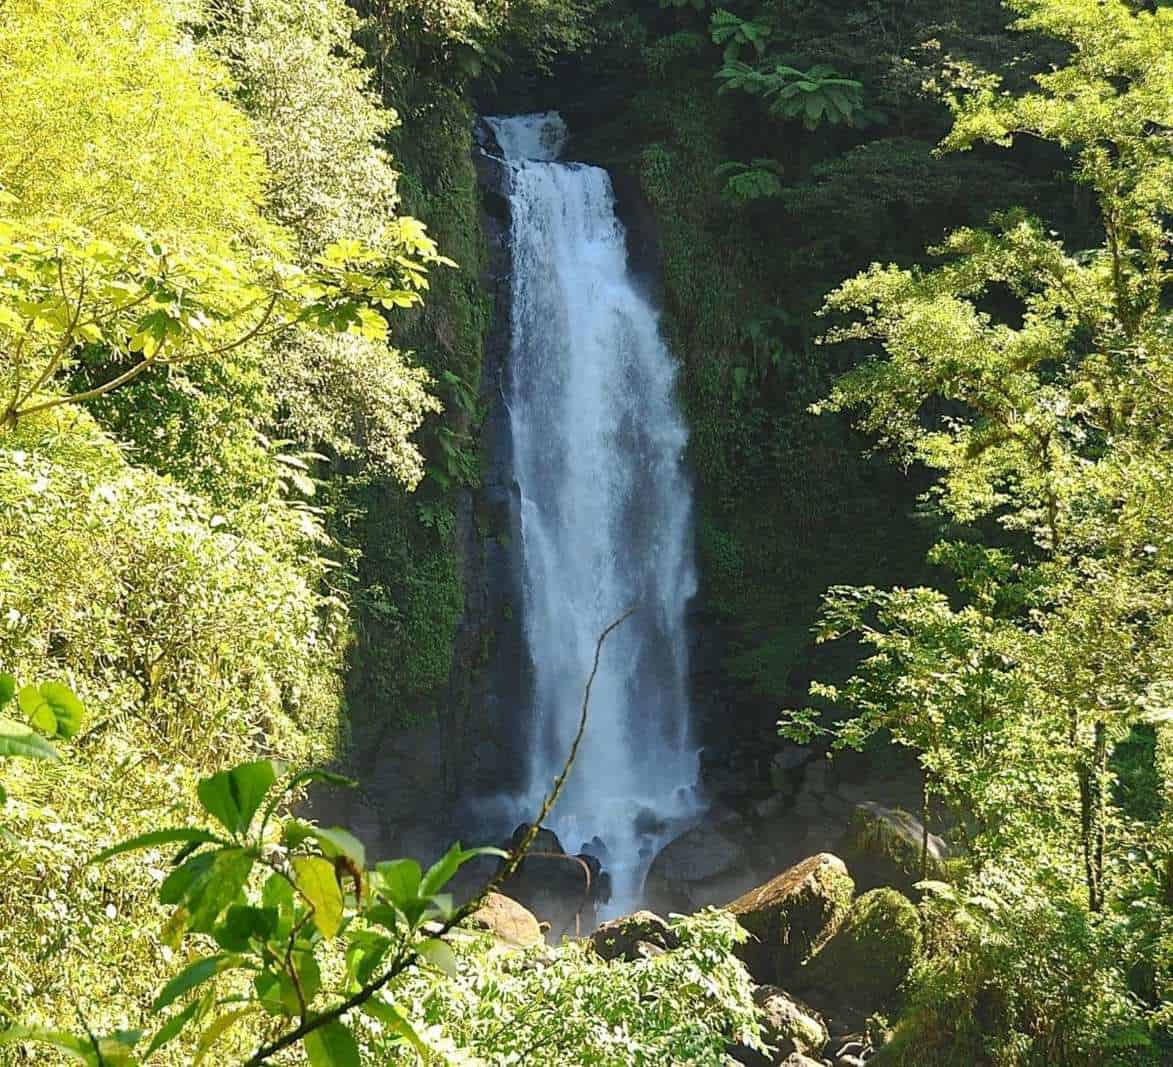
(234, 796)
(7, 688)
(440, 955)
(190, 834)
(173, 1027)
(332, 1045)
(317, 883)
(76, 1048)
(396, 1022)
(206, 884)
(333, 841)
(242, 923)
(17, 739)
(68, 711)
(441, 872)
(51, 708)
(216, 1029)
(400, 880)
(193, 975)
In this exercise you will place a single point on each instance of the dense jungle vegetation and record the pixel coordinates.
(914, 262)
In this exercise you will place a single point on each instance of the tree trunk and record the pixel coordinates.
(1091, 816)
(924, 827)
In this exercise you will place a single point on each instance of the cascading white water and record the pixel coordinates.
(606, 511)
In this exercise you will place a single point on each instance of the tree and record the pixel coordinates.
(1035, 380)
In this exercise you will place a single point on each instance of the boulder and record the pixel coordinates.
(882, 846)
(791, 915)
(633, 936)
(702, 866)
(788, 1024)
(863, 965)
(507, 920)
(545, 840)
(786, 767)
(559, 888)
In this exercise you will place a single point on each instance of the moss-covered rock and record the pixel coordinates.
(865, 962)
(622, 938)
(788, 1024)
(792, 914)
(882, 846)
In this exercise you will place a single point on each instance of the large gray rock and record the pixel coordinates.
(792, 914)
(882, 846)
(702, 866)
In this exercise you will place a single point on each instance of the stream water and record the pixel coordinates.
(605, 513)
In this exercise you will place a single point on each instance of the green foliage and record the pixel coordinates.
(300, 77)
(272, 912)
(1018, 973)
(737, 34)
(49, 710)
(818, 95)
(134, 306)
(571, 1007)
(751, 181)
(143, 134)
(1023, 374)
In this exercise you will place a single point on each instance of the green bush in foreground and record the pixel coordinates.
(290, 938)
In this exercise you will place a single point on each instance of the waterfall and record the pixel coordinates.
(605, 511)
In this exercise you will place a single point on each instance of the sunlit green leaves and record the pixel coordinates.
(51, 710)
(233, 797)
(332, 1045)
(193, 975)
(333, 841)
(206, 884)
(317, 882)
(17, 739)
(185, 834)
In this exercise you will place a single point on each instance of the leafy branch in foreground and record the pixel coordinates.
(274, 893)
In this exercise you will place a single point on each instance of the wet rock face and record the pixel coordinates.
(791, 914)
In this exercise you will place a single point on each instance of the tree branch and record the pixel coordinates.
(403, 962)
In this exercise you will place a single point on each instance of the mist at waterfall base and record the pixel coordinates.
(605, 515)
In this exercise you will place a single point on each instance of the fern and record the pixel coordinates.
(736, 33)
(751, 181)
(816, 96)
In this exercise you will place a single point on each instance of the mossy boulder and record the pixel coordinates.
(792, 914)
(863, 965)
(628, 938)
(789, 1027)
(882, 846)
